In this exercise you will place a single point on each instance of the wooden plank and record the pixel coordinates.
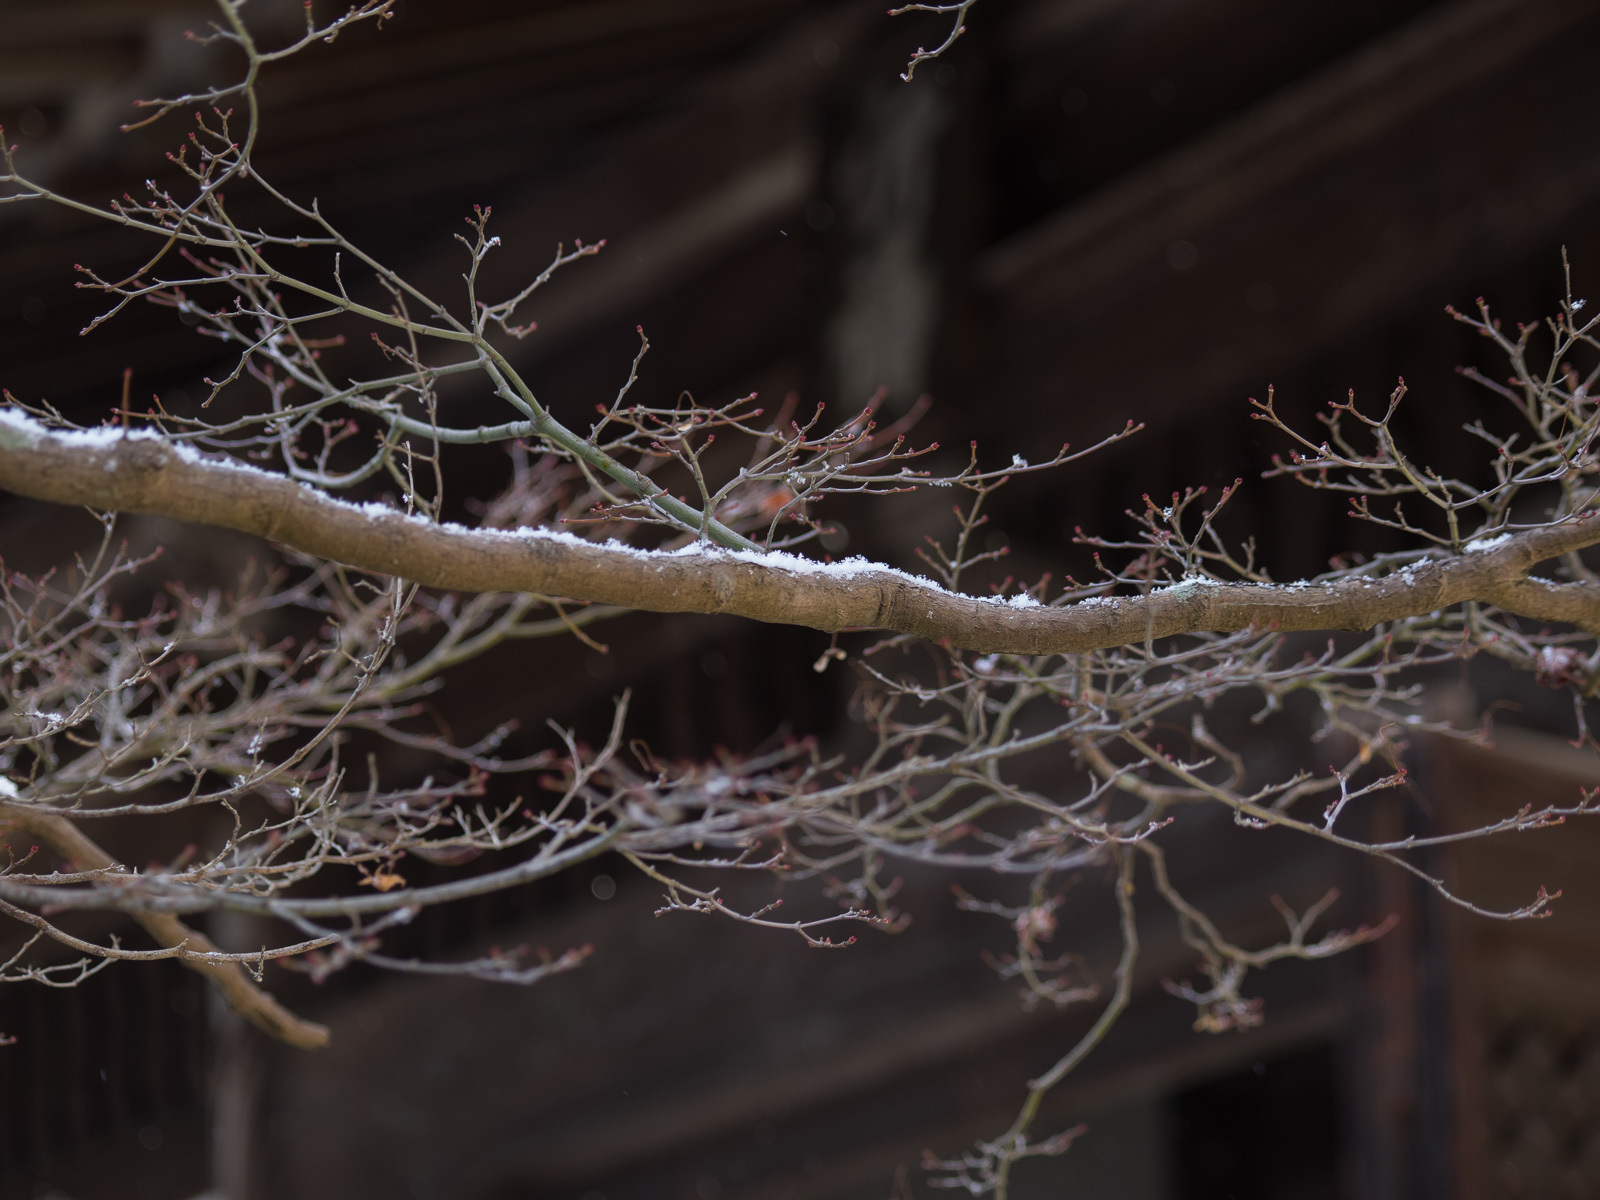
(682, 1032)
(1380, 89)
(1334, 205)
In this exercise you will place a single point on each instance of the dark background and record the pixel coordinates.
(1089, 211)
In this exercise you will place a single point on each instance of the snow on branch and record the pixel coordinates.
(142, 473)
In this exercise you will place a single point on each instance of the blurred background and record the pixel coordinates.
(1088, 211)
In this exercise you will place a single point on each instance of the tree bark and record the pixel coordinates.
(142, 473)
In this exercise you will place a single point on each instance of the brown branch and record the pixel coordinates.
(148, 475)
(244, 997)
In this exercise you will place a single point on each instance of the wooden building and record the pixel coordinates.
(1088, 211)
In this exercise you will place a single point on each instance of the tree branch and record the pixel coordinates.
(141, 473)
(229, 978)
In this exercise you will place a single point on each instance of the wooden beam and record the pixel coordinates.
(1328, 206)
(737, 1025)
(1373, 92)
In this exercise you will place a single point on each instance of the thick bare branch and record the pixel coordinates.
(141, 474)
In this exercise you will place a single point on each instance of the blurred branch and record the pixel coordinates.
(197, 952)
